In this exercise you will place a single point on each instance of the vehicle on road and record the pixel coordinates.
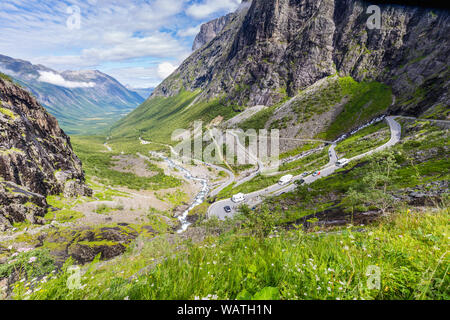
(342, 162)
(227, 209)
(285, 180)
(317, 173)
(305, 174)
(238, 198)
(301, 181)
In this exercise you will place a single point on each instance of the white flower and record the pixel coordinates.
(32, 259)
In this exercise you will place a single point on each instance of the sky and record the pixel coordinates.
(139, 42)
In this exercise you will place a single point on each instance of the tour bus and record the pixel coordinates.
(342, 162)
(285, 179)
(238, 198)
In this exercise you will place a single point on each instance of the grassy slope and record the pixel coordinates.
(97, 162)
(158, 117)
(410, 250)
(367, 100)
(363, 142)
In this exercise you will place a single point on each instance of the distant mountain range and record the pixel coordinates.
(84, 102)
(143, 92)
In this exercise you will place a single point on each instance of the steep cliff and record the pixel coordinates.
(210, 30)
(271, 51)
(290, 45)
(36, 158)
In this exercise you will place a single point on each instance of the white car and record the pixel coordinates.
(238, 198)
(285, 180)
(342, 162)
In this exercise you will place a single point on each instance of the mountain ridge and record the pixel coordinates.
(76, 98)
(270, 52)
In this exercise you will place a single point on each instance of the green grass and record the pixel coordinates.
(5, 77)
(8, 113)
(361, 142)
(158, 117)
(98, 163)
(367, 100)
(439, 112)
(300, 149)
(410, 250)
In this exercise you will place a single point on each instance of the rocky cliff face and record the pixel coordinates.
(276, 48)
(210, 30)
(36, 158)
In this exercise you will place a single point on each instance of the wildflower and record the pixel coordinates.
(126, 298)
(32, 259)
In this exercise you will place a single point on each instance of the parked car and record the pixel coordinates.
(305, 174)
(227, 209)
(301, 181)
(317, 173)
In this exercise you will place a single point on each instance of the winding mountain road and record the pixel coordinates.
(229, 181)
(257, 197)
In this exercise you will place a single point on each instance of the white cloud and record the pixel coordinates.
(208, 7)
(136, 77)
(58, 80)
(165, 69)
(132, 33)
(157, 45)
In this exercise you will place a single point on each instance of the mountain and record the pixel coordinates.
(36, 158)
(210, 30)
(315, 64)
(82, 101)
(143, 92)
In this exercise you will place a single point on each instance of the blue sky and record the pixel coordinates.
(137, 41)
